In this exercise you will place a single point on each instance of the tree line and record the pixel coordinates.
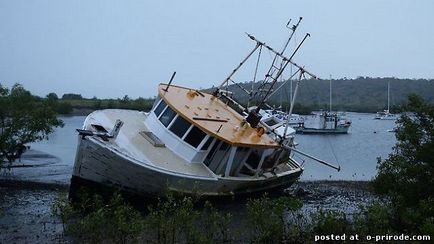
(363, 94)
(70, 102)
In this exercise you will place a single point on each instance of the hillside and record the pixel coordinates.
(359, 95)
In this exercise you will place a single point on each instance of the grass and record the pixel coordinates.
(185, 219)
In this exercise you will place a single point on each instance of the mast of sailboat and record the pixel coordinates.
(330, 93)
(290, 90)
(388, 95)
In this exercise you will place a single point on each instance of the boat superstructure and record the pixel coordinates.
(190, 142)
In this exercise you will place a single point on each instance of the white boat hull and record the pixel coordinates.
(102, 165)
(101, 162)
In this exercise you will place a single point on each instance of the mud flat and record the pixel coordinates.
(28, 192)
(25, 214)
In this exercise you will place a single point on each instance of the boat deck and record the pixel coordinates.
(133, 144)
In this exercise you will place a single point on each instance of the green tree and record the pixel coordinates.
(406, 177)
(72, 96)
(24, 118)
(64, 108)
(52, 96)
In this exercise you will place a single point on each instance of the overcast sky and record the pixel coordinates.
(111, 48)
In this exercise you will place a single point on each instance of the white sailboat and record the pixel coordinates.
(385, 114)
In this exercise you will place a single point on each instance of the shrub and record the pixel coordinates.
(268, 219)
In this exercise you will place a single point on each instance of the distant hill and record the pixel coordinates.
(363, 94)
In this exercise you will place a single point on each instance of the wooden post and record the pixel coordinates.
(170, 82)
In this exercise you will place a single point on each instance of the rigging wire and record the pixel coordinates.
(333, 151)
(257, 66)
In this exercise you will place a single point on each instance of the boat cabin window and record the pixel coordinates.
(180, 126)
(195, 136)
(207, 143)
(160, 108)
(271, 122)
(167, 116)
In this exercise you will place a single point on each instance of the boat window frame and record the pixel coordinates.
(191, 128)
(173, 122)
(204, 141)
(162, 111)
(212, 150)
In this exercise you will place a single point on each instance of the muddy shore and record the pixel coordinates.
(28, 192)
(25, 207)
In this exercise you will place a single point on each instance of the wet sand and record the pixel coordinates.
(28, 192)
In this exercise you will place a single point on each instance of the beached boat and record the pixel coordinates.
(190, 142)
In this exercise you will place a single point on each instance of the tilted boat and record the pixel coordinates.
(190, 142)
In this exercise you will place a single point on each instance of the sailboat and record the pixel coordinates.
(325, 122)
(385, 114)
(191, 142)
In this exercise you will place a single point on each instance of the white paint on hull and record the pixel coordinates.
(114, 163)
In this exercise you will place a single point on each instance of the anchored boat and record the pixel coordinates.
(190, 142)
(385, 114)
(325, 122)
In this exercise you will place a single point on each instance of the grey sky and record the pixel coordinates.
(112, 48)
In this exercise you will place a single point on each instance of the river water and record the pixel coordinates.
(356, 152)
(28, 192)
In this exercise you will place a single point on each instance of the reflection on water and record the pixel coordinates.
(355, 152)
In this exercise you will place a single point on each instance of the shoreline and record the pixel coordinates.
(25, 206)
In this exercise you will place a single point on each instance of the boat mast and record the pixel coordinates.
(330, 93)
(284, 62)
(388, 95)
(290, 89)
(302, 71)
(226, 81)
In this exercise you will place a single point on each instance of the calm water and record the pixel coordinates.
(355, 152)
